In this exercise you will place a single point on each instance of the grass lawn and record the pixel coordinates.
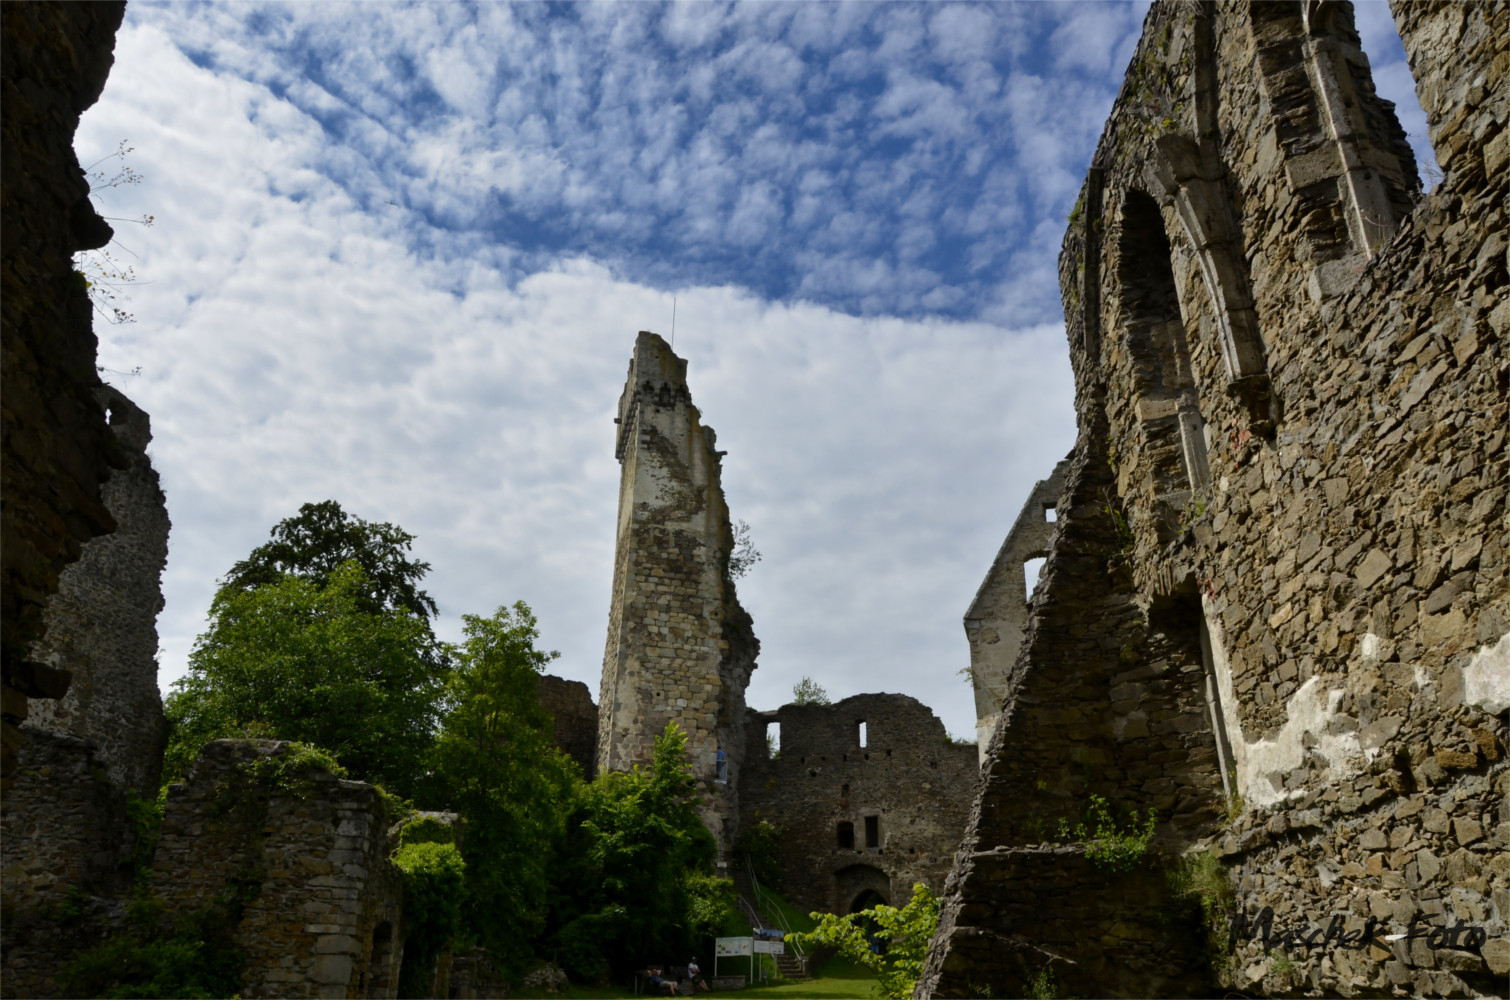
(837, 978)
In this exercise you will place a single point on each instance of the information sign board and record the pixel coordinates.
(731, 947)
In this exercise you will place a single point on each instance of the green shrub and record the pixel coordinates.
(1199, 878)
(196, 960)
(434, 890)
(1111, 845)
(892, 943)
(146, 819)
(1041, 985)
(426, 830)
(289, 771)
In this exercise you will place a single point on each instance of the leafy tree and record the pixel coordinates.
(296, 660)
(809, 692)
(900, 938)
(321, 539)
(496, 763)
(634, 874)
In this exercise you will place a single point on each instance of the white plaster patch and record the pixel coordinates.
(1486, 677)
(1262, 765)
(1369, 645)
(1310, 711)
(1422, 677)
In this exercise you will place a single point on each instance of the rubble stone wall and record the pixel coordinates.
(574, 719)
(102, 623)
(909, 776)
(66, 835)
(306, 856)
(55, 446)
(680, 647)
(1292, 394)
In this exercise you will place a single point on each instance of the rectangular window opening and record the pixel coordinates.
(772, 740)
(846, 836)
(860, 732)
(1050, 513)
(1032, 572)
(872, 831)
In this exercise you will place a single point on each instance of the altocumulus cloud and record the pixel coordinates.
(402, 251)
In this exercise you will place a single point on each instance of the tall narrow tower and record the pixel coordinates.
(680, 648)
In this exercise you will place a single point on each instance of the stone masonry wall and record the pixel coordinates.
(1292, 397)
(66, 834)
(998, 617)
(574, 719)
(55, 447)
(680, 648)
(304, 856)
(1119, 927)
(909, 776)
(102, 623)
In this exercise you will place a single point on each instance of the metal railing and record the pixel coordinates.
(769, 906)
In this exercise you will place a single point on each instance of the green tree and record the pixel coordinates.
(495, 762)
(634, 874)
(809, 692)
(320, 539)
(900, 938)
(295, 660)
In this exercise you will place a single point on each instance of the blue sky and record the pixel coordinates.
(402, 251)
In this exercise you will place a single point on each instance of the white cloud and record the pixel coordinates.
(299, 345)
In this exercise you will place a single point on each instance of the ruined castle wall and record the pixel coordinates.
(1457, 58)
(305, 855)
(680, 648)
(102, 623)
(1295, 371)
(56, 449)
(66, 834)
(574, 719)
(909, 777)
(998, 617)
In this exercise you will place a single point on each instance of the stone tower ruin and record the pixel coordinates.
(680, 648)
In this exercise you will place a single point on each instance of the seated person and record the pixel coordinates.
(661, 982)
(695, 976)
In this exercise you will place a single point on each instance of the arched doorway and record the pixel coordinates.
(859, 887)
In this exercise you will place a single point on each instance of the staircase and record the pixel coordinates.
(789, 965)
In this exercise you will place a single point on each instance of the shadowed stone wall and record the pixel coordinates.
(680, 648)
(909, 778)
(65, 836)
(1282, 536)
(306, 858)
(102, 623)
(574, 719)
(55, 447)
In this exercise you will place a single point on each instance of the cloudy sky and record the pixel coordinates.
(401, 253)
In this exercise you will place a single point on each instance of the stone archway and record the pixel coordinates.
(858, 887)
